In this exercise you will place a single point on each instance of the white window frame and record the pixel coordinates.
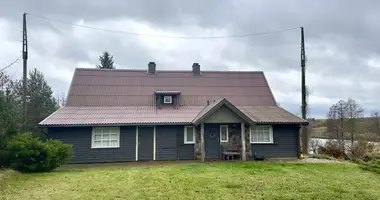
(105, 147)
(171, 99)
(270, 134)
(220, 132)
(185, 139)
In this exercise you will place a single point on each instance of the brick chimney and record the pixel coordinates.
(196, 69)
(151, 68)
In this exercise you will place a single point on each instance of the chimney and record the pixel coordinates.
(196, 69)
(151, 68)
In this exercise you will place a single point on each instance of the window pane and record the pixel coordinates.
(97, 143)
(97, 137)
(106, 143)
(223, 133)
(189, 137)
(167, 99)
(97, 130)
(106, 137)
(260, 136)
(106, 130)
(114, 130)
(266, 137)
(114, 143)
(114, 136)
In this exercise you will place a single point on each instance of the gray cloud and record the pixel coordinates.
(341, 37)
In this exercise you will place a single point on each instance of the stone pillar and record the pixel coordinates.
(243, 151)
(203, 152)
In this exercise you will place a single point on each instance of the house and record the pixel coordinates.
(134, 115)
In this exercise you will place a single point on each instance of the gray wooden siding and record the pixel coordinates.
(286, 143)
(166, 142)
(224, 115)
(185, 151)
(145, 141)
(80, 138)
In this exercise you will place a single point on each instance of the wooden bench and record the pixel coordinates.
(230, 152)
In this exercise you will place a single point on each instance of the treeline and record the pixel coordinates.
(346, 121)
(40, 104)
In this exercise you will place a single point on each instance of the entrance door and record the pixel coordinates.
(145, 142)
(212, 143)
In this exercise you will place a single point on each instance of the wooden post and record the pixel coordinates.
(203, 152)
(24, 70)
(243, 153)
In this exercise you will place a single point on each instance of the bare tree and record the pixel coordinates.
(353, 112)
(314, 144)
(375, 122)
(61, 99)
(335, 121)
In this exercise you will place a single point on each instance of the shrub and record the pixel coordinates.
(371, 156)
(30, 154)
(373, 166)
(4, 161)
(332, 148)
(361, 148)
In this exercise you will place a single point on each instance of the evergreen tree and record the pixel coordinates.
(40, 100)
(106, 61)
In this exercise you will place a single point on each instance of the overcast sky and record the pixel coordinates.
(342, 42)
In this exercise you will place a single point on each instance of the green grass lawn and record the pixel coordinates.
(199, 181)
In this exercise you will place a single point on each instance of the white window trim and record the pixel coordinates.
(104, 147)
(185, 141)
(220, 131)
(270, 135)
(171, 99)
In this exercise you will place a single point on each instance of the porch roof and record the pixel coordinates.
(213, 107)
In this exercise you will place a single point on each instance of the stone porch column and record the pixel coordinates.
(243, 153)
(203, 154)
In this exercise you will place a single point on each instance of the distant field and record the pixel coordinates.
(199, 181)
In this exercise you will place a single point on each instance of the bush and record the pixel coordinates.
(371, 156)
(360, 149)
(4, 161)
(333, 149)
(373, 166)
(30, 154)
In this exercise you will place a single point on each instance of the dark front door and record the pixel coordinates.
(212, 142)
(145, 142)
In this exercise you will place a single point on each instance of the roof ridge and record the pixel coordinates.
(169, 71)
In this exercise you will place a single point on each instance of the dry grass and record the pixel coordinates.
(199, 181)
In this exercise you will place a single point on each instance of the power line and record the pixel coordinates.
(163, 36)
(10, 64)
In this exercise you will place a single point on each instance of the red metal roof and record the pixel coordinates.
(121, 96)
(99, 87)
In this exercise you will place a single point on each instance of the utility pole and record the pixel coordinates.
(305, 142)
(25, 68)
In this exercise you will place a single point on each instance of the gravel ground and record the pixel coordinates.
(316, 160)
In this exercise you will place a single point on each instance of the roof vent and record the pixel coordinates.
(196, 69)
(151, 68)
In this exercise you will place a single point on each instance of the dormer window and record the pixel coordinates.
(167, 99)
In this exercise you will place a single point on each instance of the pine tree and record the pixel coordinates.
(106, 61)
(40, 100)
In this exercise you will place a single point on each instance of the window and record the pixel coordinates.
(224, 133)
(105, 137)
(167, 99)
(189, 135)
(261, 134)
